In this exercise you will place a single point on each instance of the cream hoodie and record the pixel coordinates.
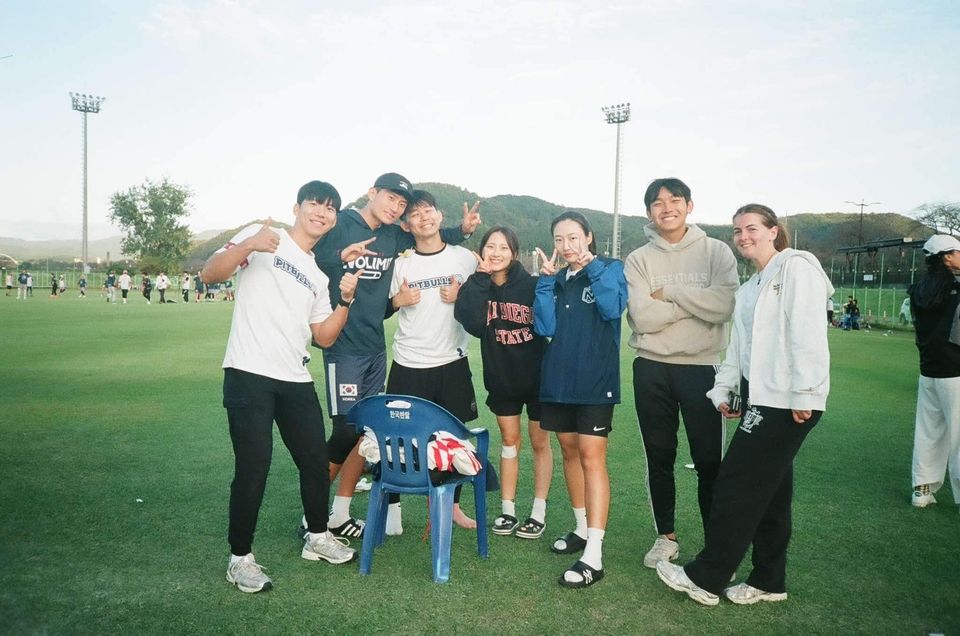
(790, 359)
(698, 276)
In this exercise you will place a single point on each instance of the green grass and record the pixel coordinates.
(108, 405)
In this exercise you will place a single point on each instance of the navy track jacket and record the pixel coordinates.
(582, 317)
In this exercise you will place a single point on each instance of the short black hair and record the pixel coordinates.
(673, 185)
(319, 191)
(418, 197)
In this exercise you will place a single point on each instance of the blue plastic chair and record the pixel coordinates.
(407, 422)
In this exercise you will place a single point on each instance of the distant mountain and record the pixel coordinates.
(821, 234)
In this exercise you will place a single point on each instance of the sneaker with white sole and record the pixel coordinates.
(323, 545)
(744, 594)
(248, 576)
(663, 549)
(922, 497)
(363, 485)
(676, 579)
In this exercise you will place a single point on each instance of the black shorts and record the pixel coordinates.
(449, 385)
(507, 406)
(585, 419)
(351, 378)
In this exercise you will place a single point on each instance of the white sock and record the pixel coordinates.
(234, 558)
(394, 520)
(340, 511)
(593, 553)
(540, 509)
(580, 514)
(311, 536)
(508, 507)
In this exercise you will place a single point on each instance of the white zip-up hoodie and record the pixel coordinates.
(789, 358)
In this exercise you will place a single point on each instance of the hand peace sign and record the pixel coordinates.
(549, 267)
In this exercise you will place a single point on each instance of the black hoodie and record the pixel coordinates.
(502, 317)
(933, 302)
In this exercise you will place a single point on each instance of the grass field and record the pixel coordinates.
(115, 465)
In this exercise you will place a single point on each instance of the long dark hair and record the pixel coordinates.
(580, 220)
(513, 242)
(769, 220)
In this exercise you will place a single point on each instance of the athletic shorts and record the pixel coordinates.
(585, 419)
(352, 378)
(449, 385)
(514, 406)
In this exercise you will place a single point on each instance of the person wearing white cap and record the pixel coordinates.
(935, 306)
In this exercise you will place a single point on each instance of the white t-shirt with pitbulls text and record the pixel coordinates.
(427, 334)
(279, 296)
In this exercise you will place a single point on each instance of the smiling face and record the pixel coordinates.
(497, 253)
(315, 219)
(668, 212)
(386, 206)
(423, 221)
(753, 239)
(570, 240)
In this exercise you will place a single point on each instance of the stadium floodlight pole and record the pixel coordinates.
(862, 205)
(85, 104)
(619, 115)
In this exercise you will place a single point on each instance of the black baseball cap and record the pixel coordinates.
(395, 183)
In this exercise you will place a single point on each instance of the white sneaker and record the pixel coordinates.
(323, 545)
(675, 578)
(247, 575)
(663, 549)
(744, 594)
(922, 497)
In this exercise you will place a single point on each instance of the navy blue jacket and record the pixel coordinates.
(582, 317)
(363, 334)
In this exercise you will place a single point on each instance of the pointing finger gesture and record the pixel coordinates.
(356, 250)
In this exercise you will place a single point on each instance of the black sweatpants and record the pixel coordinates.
(662, 393)
(752, 501)
(253, 403)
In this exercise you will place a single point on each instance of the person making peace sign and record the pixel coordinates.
(578, 307)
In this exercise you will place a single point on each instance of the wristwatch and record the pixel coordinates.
(345, 303)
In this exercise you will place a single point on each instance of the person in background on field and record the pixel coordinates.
(61, 284)
(578, 307)
(29, 284)
(356, 364)
(162, 284)
(681, 286)
(110, 285)
(199, 287)
(496, 306)
(53, 285)
(429, 345)
(125, 282)
(283, 304)
(777, 366)
(146, 286)
(185, 281)
(830, 311)
(935, 306)
(82, 285)
(22, 285)
(228, 289)
(9, 283)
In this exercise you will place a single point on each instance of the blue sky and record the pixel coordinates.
(799, 105)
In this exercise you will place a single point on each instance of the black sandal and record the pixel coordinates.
(504, 525)
(531, 529)
(588, 576)
(572, 542)
(351, 529)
